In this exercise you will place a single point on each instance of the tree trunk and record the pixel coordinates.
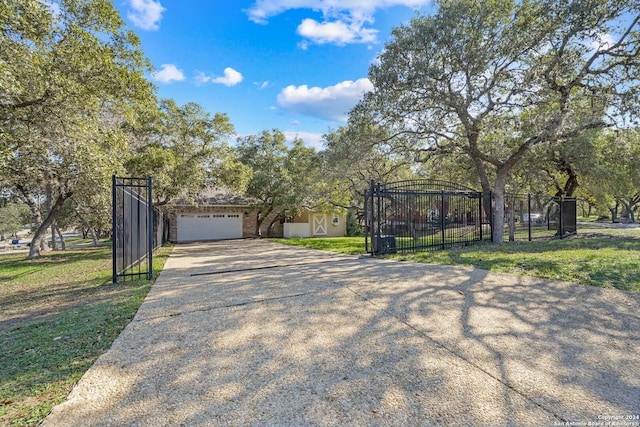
(260, 219)
(48, 202)
(512, 224)
(30, 200)
(267, 223)
(626, 210)
(86, 226)
(39, 237)
(486, 187)
(271, 223)
(54, 240)
(63, 245)
(571, 185)
(498, 217)
(498, 211)
(614, 213)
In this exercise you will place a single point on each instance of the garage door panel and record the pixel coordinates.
(209, 226)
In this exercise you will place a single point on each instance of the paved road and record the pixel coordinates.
(256, 333)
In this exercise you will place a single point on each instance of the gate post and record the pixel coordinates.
(560, 219)
(378, 220)
(114, 234)
(368, 218)
(480, 197)
(373, 218)
(150, 228)
(529, 212)
(492, 210)
(443, 222)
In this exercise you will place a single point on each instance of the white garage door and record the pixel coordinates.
(209, 226)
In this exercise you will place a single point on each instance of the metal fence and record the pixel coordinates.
(530, 217)
(138, 228)
(418, 215)
(421, 215)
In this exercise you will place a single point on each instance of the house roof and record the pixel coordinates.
(216, 197)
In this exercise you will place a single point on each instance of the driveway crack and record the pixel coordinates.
(267, 267)
(218, 307)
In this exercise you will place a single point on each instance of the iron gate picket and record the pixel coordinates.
(138, 228)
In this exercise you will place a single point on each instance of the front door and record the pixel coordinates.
(319, 225)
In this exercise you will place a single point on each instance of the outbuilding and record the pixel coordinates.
(315, 224)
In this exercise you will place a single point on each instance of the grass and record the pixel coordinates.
(598, 257)
(58, 313)
(344, 245)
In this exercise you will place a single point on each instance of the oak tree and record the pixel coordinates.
(493, 79)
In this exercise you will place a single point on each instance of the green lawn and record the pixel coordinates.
(344, 245)
(58, 313)
(597, 257)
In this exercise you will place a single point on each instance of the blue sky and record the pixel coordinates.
(294, 65)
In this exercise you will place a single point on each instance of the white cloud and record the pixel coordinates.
(262, 10)
(146, 14)
(338, 32)
(330, 103)
(345, 21)
(262, 85)
(201, 78)
(169, 73)
(231, 77)
(602, 41)
(304, 45)
(310, 139)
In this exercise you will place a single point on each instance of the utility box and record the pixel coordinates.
(384, 245)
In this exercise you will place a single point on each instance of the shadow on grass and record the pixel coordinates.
(47, 353)
(15, 267)
(58, 314)
(594, 260)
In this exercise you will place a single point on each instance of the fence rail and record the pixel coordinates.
(138, 228)
(527, 217)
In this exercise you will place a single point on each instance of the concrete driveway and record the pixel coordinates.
(256, 333)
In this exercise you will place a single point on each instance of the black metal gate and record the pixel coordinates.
(138, 228)
(422, 214)
(429, 214)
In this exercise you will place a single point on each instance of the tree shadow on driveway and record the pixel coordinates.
(351, 341)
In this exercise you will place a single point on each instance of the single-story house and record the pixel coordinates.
(220, 215)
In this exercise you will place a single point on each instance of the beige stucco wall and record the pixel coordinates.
(338, 230)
